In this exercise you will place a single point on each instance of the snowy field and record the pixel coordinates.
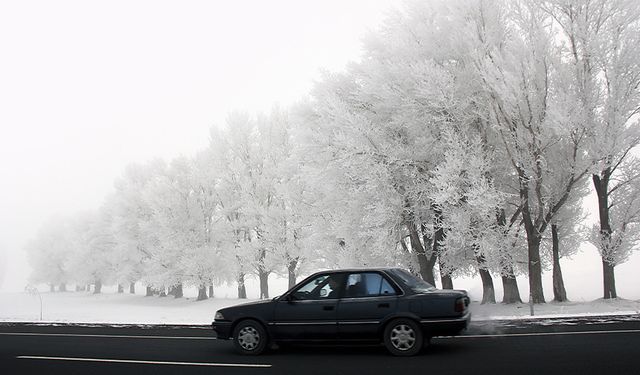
(82, 307)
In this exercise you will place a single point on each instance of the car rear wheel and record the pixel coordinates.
(250, 337)
(403, 337)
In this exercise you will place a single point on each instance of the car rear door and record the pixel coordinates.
(369, 297)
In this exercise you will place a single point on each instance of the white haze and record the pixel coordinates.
(87, 87)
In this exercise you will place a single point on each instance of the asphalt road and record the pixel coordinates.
(598, 345)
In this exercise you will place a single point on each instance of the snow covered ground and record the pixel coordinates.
(82, 307)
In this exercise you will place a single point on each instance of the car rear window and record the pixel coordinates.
(416, 284)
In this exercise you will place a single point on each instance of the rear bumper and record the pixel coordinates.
(446, 326)
(222, 329)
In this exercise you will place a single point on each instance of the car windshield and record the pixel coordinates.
(416, 284)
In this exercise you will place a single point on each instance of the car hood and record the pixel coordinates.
(249, 304)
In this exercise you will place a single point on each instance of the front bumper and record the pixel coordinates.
(222, 329)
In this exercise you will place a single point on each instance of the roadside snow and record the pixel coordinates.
(555, 309)
(81, 307)
(113, 308)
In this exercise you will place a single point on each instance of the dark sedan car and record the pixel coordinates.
(386, 305)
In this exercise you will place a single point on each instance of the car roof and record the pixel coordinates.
(362, 269)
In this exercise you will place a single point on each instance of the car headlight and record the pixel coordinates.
(219, 316)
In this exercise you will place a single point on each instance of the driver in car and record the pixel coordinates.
(334, 285)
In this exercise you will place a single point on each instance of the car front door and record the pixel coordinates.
(309, 312)
(368, 298)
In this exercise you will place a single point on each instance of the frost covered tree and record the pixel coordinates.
(131, 216)
(253, 156)
(465, 191)
(378, 130)
(599, 42)
(521, 71)
(94, 246)
(183, 202)
(231, 224)
(460, 144)
(50, 252)
(287, 219)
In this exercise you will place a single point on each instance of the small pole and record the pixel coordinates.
(40, 297)
(531, 302)
(34, 290)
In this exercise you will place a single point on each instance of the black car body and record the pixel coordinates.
(357, 305)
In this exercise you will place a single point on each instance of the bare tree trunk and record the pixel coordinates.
(162, 292)
(202, 293)
(447, 281)
(62, 287)
(430, 253)
(445, 277)
(601, 184)
(609, 279)
(291, 268)
(263, 276)
(488, 291)
(533, 247)
(98, 287)
(242, 289)
(52, 288)
(533, 242)
(210, 291)
(132, 288)
(149, 291)
(535, 269)
(511, 291)
(264, 284)
(178, 291)
(425, 261)
(559, 292)
(120, 288)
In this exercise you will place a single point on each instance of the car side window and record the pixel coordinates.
(386, 289)
(368, 284)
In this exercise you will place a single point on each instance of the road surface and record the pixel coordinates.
(596, 345)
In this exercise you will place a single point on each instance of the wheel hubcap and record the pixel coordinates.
(403, 337)
(248, 338)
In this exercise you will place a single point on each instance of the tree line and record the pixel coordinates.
(463, 143)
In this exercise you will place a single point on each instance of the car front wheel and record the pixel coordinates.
(403, 337)
(250, 337)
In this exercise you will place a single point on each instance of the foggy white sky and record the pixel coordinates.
(87, 87)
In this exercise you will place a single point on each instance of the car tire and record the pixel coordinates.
(403, 337)
(250, 337)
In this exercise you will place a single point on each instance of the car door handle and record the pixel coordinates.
(383, 305)
(328, 308)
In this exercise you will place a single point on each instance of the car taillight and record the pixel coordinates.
(460, 305)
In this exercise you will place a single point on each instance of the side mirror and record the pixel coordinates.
(323, 293)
